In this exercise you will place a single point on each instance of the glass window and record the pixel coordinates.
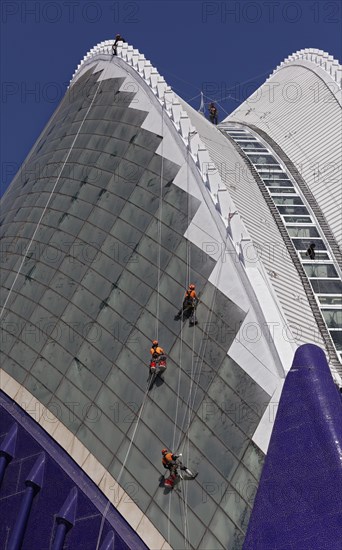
(269, 175)
(83, 379)
(303, 244)
(336, 335)
(212, 448)
(333, 317)
(147, 139)
(135, 216)
(287, 200)
(102, 219)
(236, 508)
(239, 133)
(250, 144)
(319, 255)
(303, 232)
(320, 270)
(277, 190)
(225, 530)
(297, 219)
(330, 300)
(262, 159)
(295, 209)
(322, 286)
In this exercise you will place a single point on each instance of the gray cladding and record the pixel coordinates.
(80, 318)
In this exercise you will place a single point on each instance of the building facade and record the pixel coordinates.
(127, 197)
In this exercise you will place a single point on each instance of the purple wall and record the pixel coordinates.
(299, 500)
(60, 476)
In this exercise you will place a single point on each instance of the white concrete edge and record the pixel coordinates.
(262, 434)
(82, 456)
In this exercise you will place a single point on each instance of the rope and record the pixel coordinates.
(188, 260)
(160, 216)
(204, 343)
(50, 197)
(104, 515)
(156, 327)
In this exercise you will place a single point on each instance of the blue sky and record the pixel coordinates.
(223, 48)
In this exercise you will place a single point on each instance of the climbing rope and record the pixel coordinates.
(160, 217)
(104, 515)
(50, 196)
(160, 212)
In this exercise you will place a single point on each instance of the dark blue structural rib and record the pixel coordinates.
(7, 450)
(34, 483)
(65, 519)
(299, 501)
(64, 510)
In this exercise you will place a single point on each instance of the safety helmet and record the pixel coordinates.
(155, 343)
(164, 451)
(192, 287)
(118, 36)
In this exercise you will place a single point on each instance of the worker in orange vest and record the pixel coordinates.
(158, 356)
(170, 462)
(190, 302)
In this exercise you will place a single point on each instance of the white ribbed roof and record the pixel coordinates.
(318, 58)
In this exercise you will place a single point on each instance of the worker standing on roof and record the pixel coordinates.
(213, 113)
(118, 38)
(188, 308)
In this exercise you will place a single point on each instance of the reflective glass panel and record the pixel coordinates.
(284, 190)
(262, 159)
(333, 317)
(319, 255)
(336, 335)
(320, 270)
(297, 219)
(303, 232)
(287, 200)
(269, 174)
(330, 300)
(322, 286)
(303, 244)
(250, 145)
(292, 209)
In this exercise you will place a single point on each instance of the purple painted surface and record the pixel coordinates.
(61, 475)
(299, 501)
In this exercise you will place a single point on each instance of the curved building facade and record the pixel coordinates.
(127, 197)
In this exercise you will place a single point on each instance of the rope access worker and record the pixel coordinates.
(213, 113)
(189, 305)
(170, 462)
(158, 356)
(118, 38)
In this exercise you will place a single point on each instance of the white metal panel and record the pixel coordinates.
(308, 127)
(261, 228)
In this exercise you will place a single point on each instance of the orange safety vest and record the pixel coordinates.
(167, 459)
(157, 350)
(191, 294)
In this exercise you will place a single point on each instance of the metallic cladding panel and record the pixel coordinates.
(298, 502)
(297, 109)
